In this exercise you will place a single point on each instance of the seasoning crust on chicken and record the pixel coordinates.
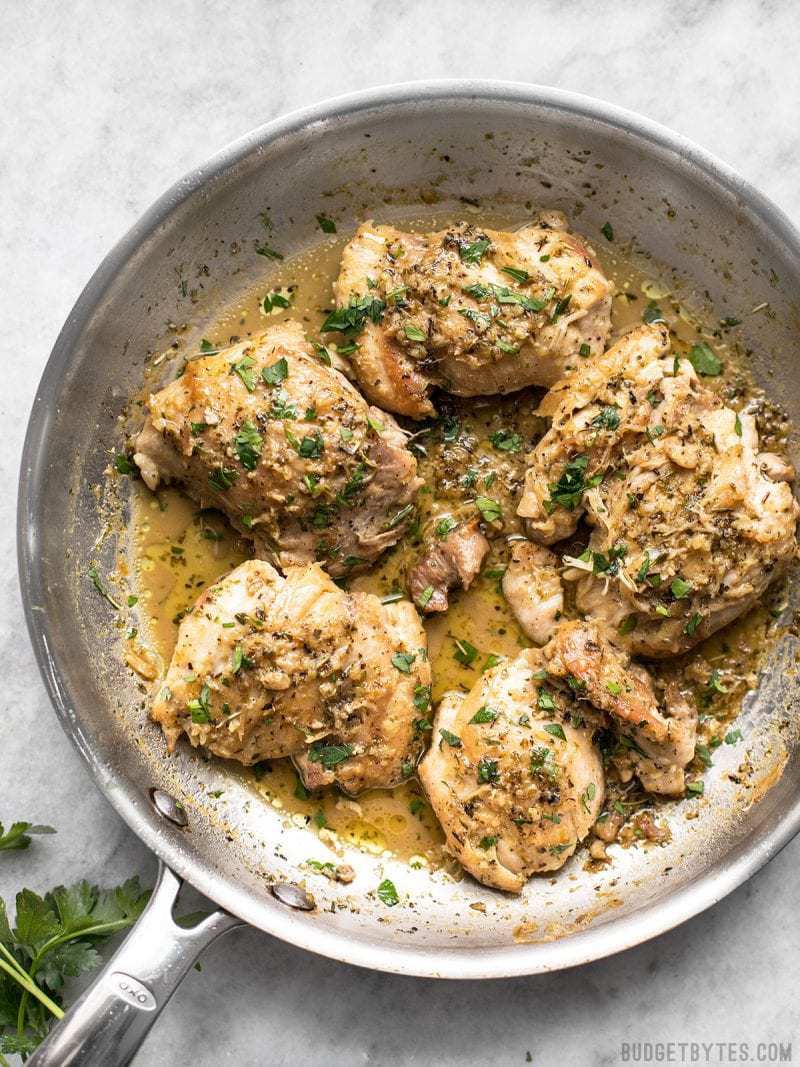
(513, 778)
(287, 449)
(690, 522)
(663, 728)
(267, 666)
(472, 310)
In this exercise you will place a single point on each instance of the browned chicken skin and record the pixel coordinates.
(267, 666)
(471, 310)
(690, 523)
(287, 449)
(446, 564)
(512, 776)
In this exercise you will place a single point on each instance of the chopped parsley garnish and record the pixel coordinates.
(506, 441)
(269, 253)
(200, 707)
(239, 661)
(737, 425)
(451, 429)
(350, 320)
(326, 224)
(704, 361)
(444, 526)
(248, 446)
(422, 697)
(414, 333)
(556, 729)
(561, 307)
(222, 478)
(424, 597)
(487, 842)
(608, 419)
(329, 755)
(714, 683)
(465, 652)
(692, 624)
(490, 509)
(730, 320)
(310, 447)
(627, 626)
(277, 373)
(474, 252)
(484, 714)
(244, 368)
(95, 579)
(680, 589)
(614, 688)
(585, 350)
(124, 464)
(520, 276)
(573, 483)
(275, 299)
(453, 740)
(399, 517)
(652, 313)
(545, 701)
(607, 231)
(487, 770)
(733, 736)
(403, 661)
(281, 407)
(588, 795)
(695, 788)
(388, 893)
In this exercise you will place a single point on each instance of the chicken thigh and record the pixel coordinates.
(690, 523)
(287, 449)
(471, 310)
(267, 666)
(532, 586)
(512, 775)
(660, 730)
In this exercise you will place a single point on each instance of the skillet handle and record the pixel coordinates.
(106, 1026)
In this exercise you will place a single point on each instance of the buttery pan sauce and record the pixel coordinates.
(179, 550)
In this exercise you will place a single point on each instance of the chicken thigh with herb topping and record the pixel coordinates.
(658, 726)
(472, 310)
(287, 449)
(512, 773)
(690, 522)
(267, 666)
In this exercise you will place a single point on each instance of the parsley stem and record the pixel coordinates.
(23, 979)
(3, 1061)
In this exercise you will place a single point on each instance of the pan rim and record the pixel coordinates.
(649, 921)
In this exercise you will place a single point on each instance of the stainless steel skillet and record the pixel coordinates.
(380, 153)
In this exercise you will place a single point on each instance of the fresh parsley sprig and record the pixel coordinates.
(53, 938)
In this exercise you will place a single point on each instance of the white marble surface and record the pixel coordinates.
(103, 106)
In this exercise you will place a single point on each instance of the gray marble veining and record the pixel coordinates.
(103, 107)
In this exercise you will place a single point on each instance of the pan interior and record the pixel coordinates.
(193, 255)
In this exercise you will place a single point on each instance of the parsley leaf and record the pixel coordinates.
(248, 446)
(490, 509)
(17, 837)
(506, 441)
(388, 893)
(329, 755)
(277, 373)
(704, 361)
(474, 252)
